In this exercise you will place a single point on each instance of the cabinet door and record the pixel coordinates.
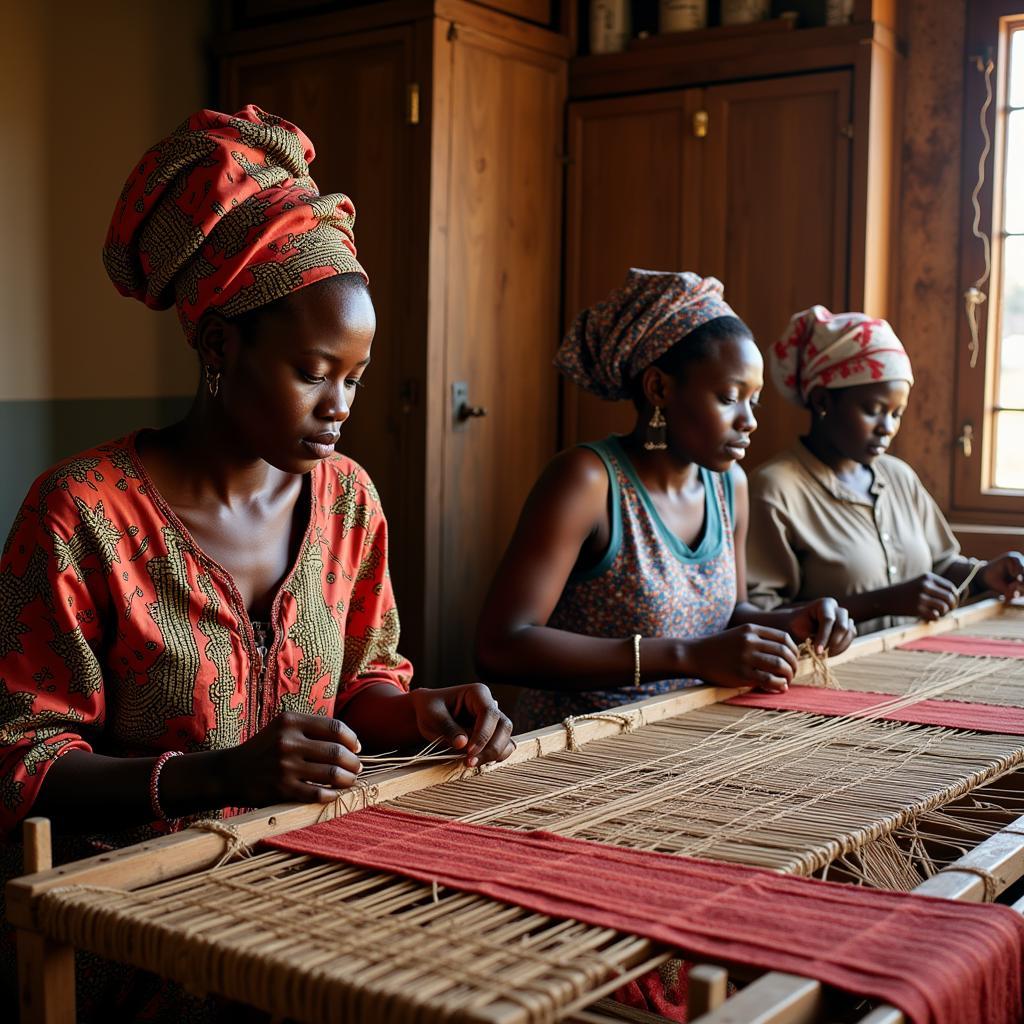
(348, 94)
(505, 107)
(776, 215)
(633, 201)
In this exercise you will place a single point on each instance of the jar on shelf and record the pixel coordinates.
(745, 12)
(682, 15)
(609, 25)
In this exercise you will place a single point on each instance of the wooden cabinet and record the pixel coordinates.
(778, 185)
(443, 121)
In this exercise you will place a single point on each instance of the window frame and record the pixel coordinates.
(988, 27)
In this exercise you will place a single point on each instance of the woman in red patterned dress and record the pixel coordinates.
(199, 619)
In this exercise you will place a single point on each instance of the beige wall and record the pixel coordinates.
(84, 89)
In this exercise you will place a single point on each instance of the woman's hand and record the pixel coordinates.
(300, 758)
(748, 655)
(468, 717)
(826, 623)
(928, 596)
(1005, 575)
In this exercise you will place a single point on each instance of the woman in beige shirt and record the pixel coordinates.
(836, 516)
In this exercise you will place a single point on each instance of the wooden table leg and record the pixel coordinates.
(46, 969)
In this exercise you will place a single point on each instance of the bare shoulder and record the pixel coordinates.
(574, 481)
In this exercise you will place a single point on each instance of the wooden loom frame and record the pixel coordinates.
(46, 967)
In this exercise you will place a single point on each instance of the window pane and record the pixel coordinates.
(1011, 371)
(1016, 90)
(1009, 468)
(1013, 190)
(1011, 348)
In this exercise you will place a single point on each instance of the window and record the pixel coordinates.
(1008, 385)
(989, 469)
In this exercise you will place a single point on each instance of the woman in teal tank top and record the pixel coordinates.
(643, 534)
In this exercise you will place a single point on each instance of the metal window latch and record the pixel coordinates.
(966, 440)
(462, 411)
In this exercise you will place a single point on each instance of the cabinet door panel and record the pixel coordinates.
(775, 223)
(634, 201)
(504, 203)
(348, 94)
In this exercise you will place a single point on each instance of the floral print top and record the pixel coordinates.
(648, 582)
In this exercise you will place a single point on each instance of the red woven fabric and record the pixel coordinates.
(954, 714)
(979, 646)
(940, 962)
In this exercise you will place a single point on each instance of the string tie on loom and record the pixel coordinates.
(628, 723)
(235, 845)
(991, 882)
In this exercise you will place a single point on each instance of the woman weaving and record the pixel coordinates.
(837, 515)
(626, 574)
(201, 617)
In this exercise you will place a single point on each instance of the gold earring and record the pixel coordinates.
(212, 380)
(656, 432)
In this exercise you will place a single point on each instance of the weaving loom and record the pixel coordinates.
(888, 804)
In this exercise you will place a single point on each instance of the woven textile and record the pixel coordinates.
(953, 714)
(977, 646)
(940, 962)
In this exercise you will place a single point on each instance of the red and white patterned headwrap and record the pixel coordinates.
(223, 214)
(836, 350)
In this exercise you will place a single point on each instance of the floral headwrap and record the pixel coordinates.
(610, 343)
(223, 214)
(836, 350)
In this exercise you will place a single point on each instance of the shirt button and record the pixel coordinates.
(885, 537)
(892, 570)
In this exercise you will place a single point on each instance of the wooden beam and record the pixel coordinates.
(706, 989)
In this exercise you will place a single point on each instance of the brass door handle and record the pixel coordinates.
(966, 440)
(469, 412)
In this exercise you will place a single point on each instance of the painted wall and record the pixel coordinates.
(84, 90)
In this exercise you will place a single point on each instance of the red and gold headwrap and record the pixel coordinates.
(222, 214)
(610, 343)
(836, 350)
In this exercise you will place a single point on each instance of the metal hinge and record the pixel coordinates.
(412, 103)
(847, 130)
(453, 33)
(700, 124)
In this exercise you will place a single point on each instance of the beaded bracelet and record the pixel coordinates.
(636, 659)
(154, 783)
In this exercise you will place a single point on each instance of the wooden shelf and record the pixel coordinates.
(729, 57)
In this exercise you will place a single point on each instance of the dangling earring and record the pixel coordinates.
(656, 432)
(212, 380)
(821, 414)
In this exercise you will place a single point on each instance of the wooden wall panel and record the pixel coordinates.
(926, 246)
(633, 201)
(777, 214)
(502, 280)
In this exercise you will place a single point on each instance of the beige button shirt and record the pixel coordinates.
(812, 536)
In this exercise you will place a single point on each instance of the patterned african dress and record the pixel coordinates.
(118, 634)
(648, 582)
